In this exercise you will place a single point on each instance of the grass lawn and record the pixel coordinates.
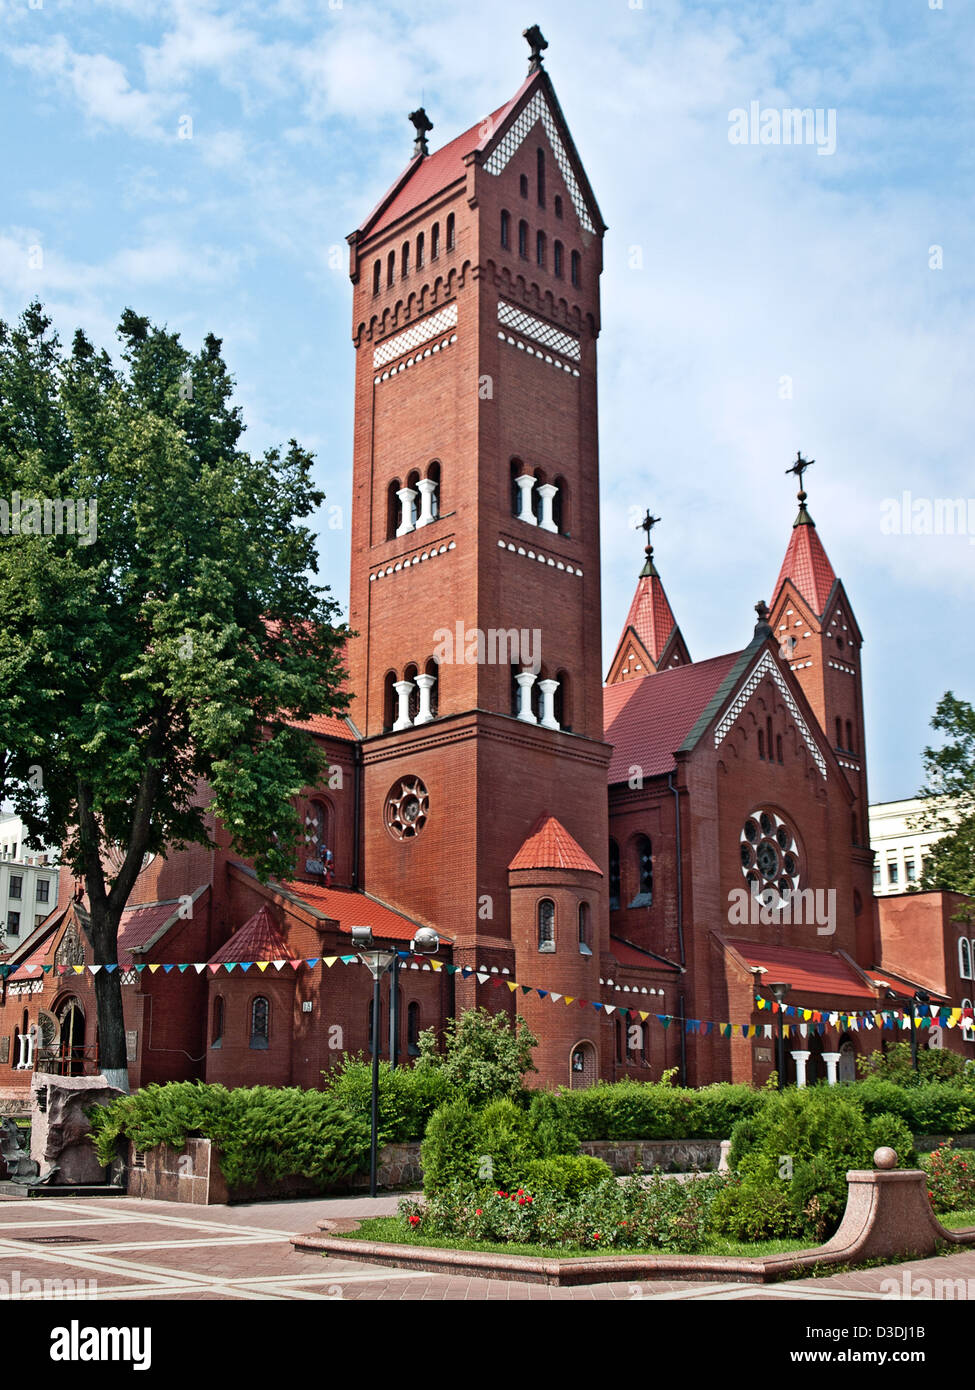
(954, 1220)
(392, 1230)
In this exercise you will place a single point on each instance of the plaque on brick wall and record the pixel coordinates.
(131, 1044)
(4, 1049)
(763, 1054)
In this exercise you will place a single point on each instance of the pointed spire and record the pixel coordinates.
(422, 125)
(806, 562)
(651, 639)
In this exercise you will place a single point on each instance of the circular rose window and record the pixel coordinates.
(406, 808)
(770, 859)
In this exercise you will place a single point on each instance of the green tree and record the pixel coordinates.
(949, 789)
(163, 647)
(484, 1056)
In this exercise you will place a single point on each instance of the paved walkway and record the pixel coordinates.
(126, 1248)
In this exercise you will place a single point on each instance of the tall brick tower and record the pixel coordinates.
(475, 554)
(812, 618)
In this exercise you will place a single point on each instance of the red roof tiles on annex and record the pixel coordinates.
(350, 909)
(648, 719)
(257, 939)
(806, 971)
(550, 846)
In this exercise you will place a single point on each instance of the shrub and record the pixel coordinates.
(408, 1096)
(639, 1214)
(566, 1176)
(449, 1148)
(753, 1211)
(891, 1131)
(931, 1107)
(654, 1110)
(550, 1126)
(951, 1179)
(896, 1064)
(484, 1056)
(263, 1133)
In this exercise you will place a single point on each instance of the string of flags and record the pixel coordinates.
(804, 1020)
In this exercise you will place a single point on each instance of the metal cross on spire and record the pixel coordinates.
(798, 468)
(422, 125)
(647, 524)
(538, 43)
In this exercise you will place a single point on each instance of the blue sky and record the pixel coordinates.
(729, 268)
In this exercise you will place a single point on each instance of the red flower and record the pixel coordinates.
(529, 1199)
(478, 1212)
(521, 1201)
(414, 1221)
(595, 1235)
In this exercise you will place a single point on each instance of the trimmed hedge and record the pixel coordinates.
(654, 1110)
(263, 1132)
(408, 1096)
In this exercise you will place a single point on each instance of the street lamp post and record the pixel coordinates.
(779, 991)
(378, 960)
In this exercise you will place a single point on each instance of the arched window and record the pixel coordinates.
(318, 837)
(768, 734)
(576, 265)
(540, 248)
(778, 748)
(413, 1029)
(515, 688)
(546, 925)
(433, 473)
(390, 268)
(392, 509)
(389, 700)
(965, 958)
(854, 828)
(260, 1022)
(585, 930)
(562, 702)
(518, 470)
(557, 265)
(405, 261)
(560, 507)
(419, 250)
(523, 185)
(411, 482)
(619, 1041)
(414, 704)
(450, 231)
(558, 205)
(540, 176)
(435, 241)
(644, 868)
(614, 875)
(839, 733)
(761, 744)
(523, 239)
(849, 737)
(216, 1032)
(433, 669)
(377, 276)
(505, 228)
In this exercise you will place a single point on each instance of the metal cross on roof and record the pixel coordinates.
(800, 466)
(538, 43)
(647, 524)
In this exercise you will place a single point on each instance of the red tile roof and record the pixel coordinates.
(550, 846)
(35, 958)
(424, 178)
(807, 565)
(648, 718)
(257, 939)
(350, 909)
(630, 955)
(329, 725)
(807, 971)
(650, 616)
(140, 924)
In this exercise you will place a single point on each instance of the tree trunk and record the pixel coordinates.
(112, 1060)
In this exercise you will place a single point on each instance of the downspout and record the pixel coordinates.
(357, 794)
(680, 927)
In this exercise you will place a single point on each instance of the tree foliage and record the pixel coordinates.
(484, 1056)
(949, 789)
(167, 649)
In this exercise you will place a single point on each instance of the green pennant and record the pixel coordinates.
(525, 989)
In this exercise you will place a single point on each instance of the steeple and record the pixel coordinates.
(806, 562)
(651, 640)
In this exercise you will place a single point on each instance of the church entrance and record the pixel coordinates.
(847, 1068)
(71, 1047)
(582, 1069)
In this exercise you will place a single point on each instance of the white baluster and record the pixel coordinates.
(426, 684)
(525, 512)
(428, 489)
(546, 492)
(548, 689)
(404, 689)
(406, 496)
(525, 681)
(801, 1059)
(831, 1059)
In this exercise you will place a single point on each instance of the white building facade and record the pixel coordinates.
(28, 883)
(900, 848)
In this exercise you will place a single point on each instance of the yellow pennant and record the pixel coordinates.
(436, 965)
(570, 998)
(512, 985)
(262, 965)
(644, 1017)
(154, 968)
(329, 960)
(806, 1015)
(77, 969)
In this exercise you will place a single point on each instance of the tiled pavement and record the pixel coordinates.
(126, 1248)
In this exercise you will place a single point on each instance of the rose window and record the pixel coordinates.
(406, 808)
(770, 858)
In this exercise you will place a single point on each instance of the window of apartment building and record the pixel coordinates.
(893, 873)
(13, 923)
(16, 885)
(910, 873)
(876, 875)
(43, 890)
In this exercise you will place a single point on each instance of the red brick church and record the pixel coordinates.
(625, 843)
